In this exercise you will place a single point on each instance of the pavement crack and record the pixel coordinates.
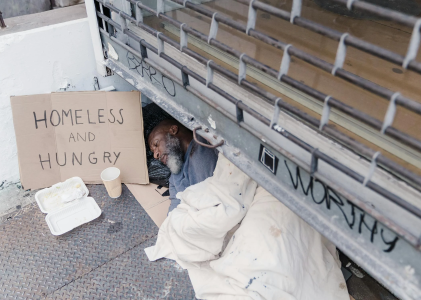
(99, 266)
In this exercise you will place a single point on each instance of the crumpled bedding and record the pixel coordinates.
(272, 255)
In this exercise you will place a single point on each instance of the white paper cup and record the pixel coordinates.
(112, 181)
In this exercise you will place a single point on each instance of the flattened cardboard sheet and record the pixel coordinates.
(154, 199)
(62, 135)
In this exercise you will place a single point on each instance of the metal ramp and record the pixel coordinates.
(103, 259)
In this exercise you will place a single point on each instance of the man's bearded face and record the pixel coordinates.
(174, 153)
(166, 148)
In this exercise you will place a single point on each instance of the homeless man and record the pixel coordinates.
(189, 162)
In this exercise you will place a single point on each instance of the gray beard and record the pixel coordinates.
(175, 154)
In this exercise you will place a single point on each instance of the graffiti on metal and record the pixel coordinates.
(147, 71)
(354, 217)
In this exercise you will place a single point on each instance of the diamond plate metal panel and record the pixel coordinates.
(131, 276)
(94, 257)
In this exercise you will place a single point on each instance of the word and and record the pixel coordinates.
(76, 117)
(87, 137)
(353, 215)
(76, 158)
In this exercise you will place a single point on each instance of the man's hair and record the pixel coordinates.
(152, 116)
(166, 125)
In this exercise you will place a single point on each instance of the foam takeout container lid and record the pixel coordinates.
(81, 211)
(61, 216)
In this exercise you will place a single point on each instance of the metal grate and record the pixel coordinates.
(289, 50)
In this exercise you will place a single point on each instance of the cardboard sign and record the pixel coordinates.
(62, 135)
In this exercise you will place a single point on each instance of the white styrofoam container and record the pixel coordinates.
(67, 218)
(63, 217)
(48, 199)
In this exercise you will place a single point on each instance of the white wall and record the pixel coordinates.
(43, 60)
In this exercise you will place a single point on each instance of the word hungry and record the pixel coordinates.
(76, 158)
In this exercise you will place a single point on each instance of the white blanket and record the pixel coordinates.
(272, 255)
